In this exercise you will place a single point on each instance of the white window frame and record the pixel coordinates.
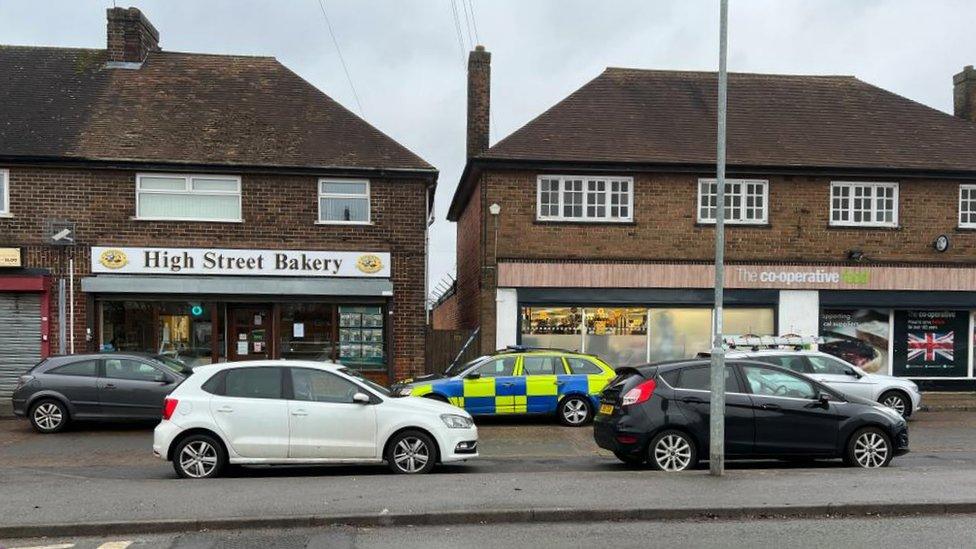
(872, 201)
(585, 218)
(971, 188)
(321, 195)
(188, 190)
(5, 192)
(742, 197)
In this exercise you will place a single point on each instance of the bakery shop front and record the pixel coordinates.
(204, 305)
(910, 321)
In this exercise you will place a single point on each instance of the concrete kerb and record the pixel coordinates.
(454, 518)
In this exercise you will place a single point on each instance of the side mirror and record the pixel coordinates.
(163, 378)
(823, 398)
(360, 398)
(473, 375)
(852, 372)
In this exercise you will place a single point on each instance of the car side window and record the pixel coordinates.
(790, 362)
(827, 365)
(770, 382)
(581, 366)
(540, 365)
(83, 368)
(253, 383)
(318, 386)
(134, 370)
(699, 378)
(497, 368)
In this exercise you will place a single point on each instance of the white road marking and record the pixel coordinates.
(58, 546)
(115, 545)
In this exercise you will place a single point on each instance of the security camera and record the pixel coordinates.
(63, 234)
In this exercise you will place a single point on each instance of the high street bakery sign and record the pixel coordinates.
(216, 261)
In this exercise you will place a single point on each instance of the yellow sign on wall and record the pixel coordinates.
(10, 257)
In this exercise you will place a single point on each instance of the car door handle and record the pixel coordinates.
(769, 406)
(225, 409)
(508, 384)
(692, 400)
(299, 413)
(109, 386)
(560, 383)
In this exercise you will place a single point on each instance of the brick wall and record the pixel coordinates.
(469, 262)
(445, 315)
(279, 212)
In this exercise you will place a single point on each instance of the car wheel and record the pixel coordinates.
(630, 459)
(869, 448)
(411, 453)
(672, 451)
(199, 456)
(49, 416)
(575, 411)
(898, 402)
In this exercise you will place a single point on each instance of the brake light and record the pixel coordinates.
(640, 393)
(169, 406)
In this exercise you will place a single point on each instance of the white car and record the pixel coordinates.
(295, 412)
(902, 395)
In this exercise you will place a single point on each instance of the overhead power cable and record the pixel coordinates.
(341, 58)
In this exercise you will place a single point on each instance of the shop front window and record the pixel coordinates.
(179, 330)
(552, 327)
(617, 335)
(361, 343)
(858, 336)
(679, 333)
(308, 331)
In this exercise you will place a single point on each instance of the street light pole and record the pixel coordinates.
(717, 407)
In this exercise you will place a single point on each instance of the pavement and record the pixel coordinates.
(949, 531)
(98, 479)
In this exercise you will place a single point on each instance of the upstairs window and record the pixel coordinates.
(856, 204)
(967, 206)
(188, 197)
(4, 192)
(344, 201)
(585, 198)
(746, 201)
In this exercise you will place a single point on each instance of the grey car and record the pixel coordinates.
(104, 386)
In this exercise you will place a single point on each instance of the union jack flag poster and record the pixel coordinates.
(930, 346)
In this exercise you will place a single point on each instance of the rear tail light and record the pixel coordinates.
(640, 393)
(169, 406)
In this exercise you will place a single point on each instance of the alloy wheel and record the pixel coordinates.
(411, 454)
(871, 450)
(198, 459)
(895, 402)
(574, 411)
(672, 453)
(48, 416)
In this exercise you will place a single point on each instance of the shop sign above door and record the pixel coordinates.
(214, 261)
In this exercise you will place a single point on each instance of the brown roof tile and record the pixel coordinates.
(181, 108)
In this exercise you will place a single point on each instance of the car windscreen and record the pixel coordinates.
(366, 381)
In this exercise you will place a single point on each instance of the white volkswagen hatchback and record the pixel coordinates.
(295, 412)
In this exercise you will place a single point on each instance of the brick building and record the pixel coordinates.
(851, 215)
(213, 207)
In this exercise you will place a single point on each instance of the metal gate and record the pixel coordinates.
(20, 337)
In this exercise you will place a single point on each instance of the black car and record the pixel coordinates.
(104, 386)
(659, 413)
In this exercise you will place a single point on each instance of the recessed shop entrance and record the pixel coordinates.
(251, 332)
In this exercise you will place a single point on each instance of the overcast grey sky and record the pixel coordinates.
(409, 68)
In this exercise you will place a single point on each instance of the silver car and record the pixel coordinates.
(902, 395)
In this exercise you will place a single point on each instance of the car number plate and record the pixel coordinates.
(606, 409)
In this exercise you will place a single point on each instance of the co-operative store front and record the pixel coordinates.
(907, 321)
(215, 305)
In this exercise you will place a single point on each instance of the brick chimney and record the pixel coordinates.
(479, 100)
(964, 93)
(130, 36)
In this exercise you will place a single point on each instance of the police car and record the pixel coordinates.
(520, 381)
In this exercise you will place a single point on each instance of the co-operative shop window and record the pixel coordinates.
(864, 204)
(967, 206)
(585, 198)
(746, 201)
(188, 197)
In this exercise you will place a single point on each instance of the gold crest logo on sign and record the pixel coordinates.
(369, 263)
(113, 258)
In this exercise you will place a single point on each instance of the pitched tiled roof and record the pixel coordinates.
(651, 117)
(628, 115)
(181, 108)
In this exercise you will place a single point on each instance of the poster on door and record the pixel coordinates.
(931, 344)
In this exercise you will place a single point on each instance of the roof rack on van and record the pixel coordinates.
(795, 341)
(523, 348)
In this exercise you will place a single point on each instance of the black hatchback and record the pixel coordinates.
(104, 386)
(659, 414)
